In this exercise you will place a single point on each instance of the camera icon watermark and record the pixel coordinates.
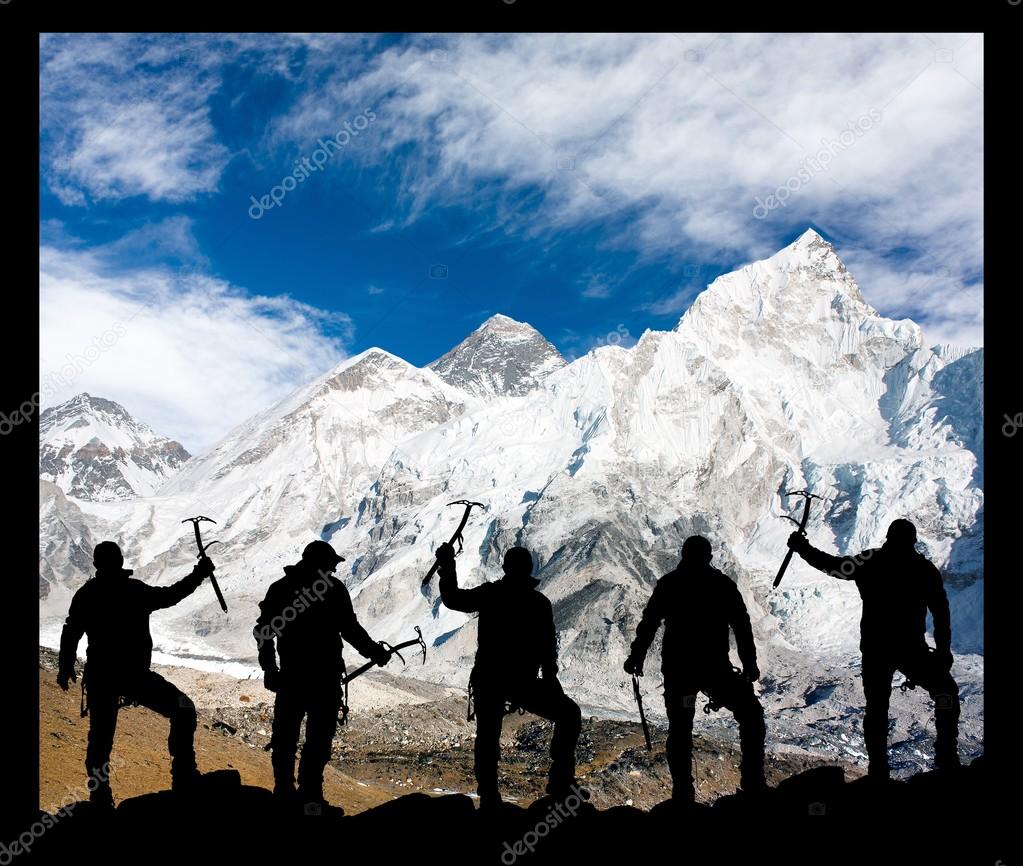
(944, 55)
(816, 809)
(944, 702)
(438, 272)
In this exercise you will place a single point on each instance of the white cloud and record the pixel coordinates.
(597, 286)
(666, 141)
(189, 355)
(163, 150)
(128, 116)
(168, 240)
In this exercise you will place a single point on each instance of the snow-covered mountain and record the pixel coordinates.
(779, 376)
(500, 357)
(94, 449)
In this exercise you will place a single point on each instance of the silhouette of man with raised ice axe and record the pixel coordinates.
(898, 586)
(308, 613)
(698, 605)
(517, 640)
(112, 610)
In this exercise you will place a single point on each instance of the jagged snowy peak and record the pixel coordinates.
(802, 306)
(795, 336)
(94, 449)
(500, 357)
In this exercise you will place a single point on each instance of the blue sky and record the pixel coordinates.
(585, 184)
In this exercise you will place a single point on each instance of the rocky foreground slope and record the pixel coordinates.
(809, 816)
(403, 789)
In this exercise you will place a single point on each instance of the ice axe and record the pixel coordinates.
(392, 650)
(195, 521)
(642, 715)
(342, 712)
(342, 716)
(801, 524)
(457, 537)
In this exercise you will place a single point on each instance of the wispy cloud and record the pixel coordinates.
(170, 241)
(195, 355)
(128, 116)
(667, 141)
(596, 286)
(674, 304)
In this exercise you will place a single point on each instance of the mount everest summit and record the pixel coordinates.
(780, 376)
(503, 357)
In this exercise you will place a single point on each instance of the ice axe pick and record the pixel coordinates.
(195, 521)
(801, 524)
(457, 537)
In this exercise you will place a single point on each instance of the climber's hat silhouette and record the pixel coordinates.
(319, 554)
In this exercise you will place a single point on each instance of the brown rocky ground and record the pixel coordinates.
(421, 743)
(140, 761)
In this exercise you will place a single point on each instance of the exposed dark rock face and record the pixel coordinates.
(502, 356)
(93, 449)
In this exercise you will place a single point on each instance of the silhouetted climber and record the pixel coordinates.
(517, 640)
(307, 612)
(898, 586)
(698, 604)
(112, 610)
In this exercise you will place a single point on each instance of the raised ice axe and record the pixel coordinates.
(457, 537)
(195, 521)
(801, 524)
